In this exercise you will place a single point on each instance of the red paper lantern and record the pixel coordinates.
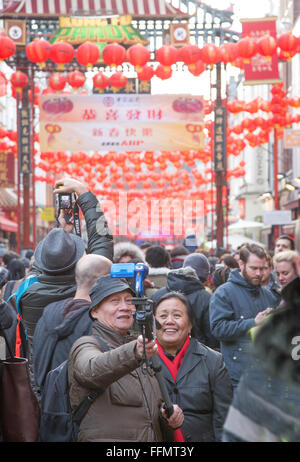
(210, 54)
(100, 81)
(146, 73)
(76, 79)
(197, 68)
(38, 51)
(189, 54)
(114, 54)
(167, 55)
(267, 46)
(19, 80)
(62, 53)
(247, 48)
(163, 72)
(138, 56)
(287, 42)
(117, 81)
(7, 47)
(57, 81)
(229, 52)
(87, 54)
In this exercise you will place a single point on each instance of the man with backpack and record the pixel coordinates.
(63, 323)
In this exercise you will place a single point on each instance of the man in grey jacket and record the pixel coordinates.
(239, 305)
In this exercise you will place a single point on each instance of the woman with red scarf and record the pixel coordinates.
(196, 377)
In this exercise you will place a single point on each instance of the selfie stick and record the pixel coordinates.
(146, 322)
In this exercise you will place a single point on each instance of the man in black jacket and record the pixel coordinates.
(189, 281)
(56, 255)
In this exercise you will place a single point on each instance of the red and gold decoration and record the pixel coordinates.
(38, 51)
(87, 54)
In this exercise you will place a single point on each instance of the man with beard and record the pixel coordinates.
(237, 306)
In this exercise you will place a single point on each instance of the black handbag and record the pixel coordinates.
(20, 412)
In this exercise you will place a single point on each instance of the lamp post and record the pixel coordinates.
(275, 170)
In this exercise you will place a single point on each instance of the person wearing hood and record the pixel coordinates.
(124, 252)
(239, 305)
(189, 280)
(159, 261)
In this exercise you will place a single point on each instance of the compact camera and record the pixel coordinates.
(65, 201)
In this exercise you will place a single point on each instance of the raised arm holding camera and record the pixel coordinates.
(56, 255)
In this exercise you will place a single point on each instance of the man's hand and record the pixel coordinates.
(176, 419)
(260, 317)
(69, 185)
(150, 347)
(62, 221)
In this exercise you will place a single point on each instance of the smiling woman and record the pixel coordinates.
(195, 374)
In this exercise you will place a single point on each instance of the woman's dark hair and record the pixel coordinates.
(180, 296)
(230, 262)
(16, 269)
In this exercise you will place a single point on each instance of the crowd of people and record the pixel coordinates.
(224, 329)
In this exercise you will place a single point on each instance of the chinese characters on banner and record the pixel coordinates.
(119, 122)
(291, 138)
(7, 170)
(133, 86)
(24, 140)
(261, 69)
(220, 139)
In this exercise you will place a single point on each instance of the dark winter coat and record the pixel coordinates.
(199, 297)
(60, 325)
(266, 407)
(233, 307)
(203, 391)
(52, 288)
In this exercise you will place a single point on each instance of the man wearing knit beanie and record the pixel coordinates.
(199, 263)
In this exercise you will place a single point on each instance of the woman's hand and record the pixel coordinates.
(150, 348)
(176, 419)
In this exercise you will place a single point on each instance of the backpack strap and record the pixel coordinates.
(84, 406)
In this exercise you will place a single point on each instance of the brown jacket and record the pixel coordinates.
(129, 409)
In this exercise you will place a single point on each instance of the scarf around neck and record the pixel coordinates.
(173, 367)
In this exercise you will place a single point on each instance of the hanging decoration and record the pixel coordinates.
(57, 82)
(88, 54)
(62, 53)
(100, 81)
(138, 56)
(114, 54)
(7, 47)
(167, 55)
(76, 79)
(38, 51)
(19, 80)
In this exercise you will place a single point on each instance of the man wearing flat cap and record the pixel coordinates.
(130, 409)
(55, 257)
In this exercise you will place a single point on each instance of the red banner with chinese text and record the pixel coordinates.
(7, 170)
(260, 70)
